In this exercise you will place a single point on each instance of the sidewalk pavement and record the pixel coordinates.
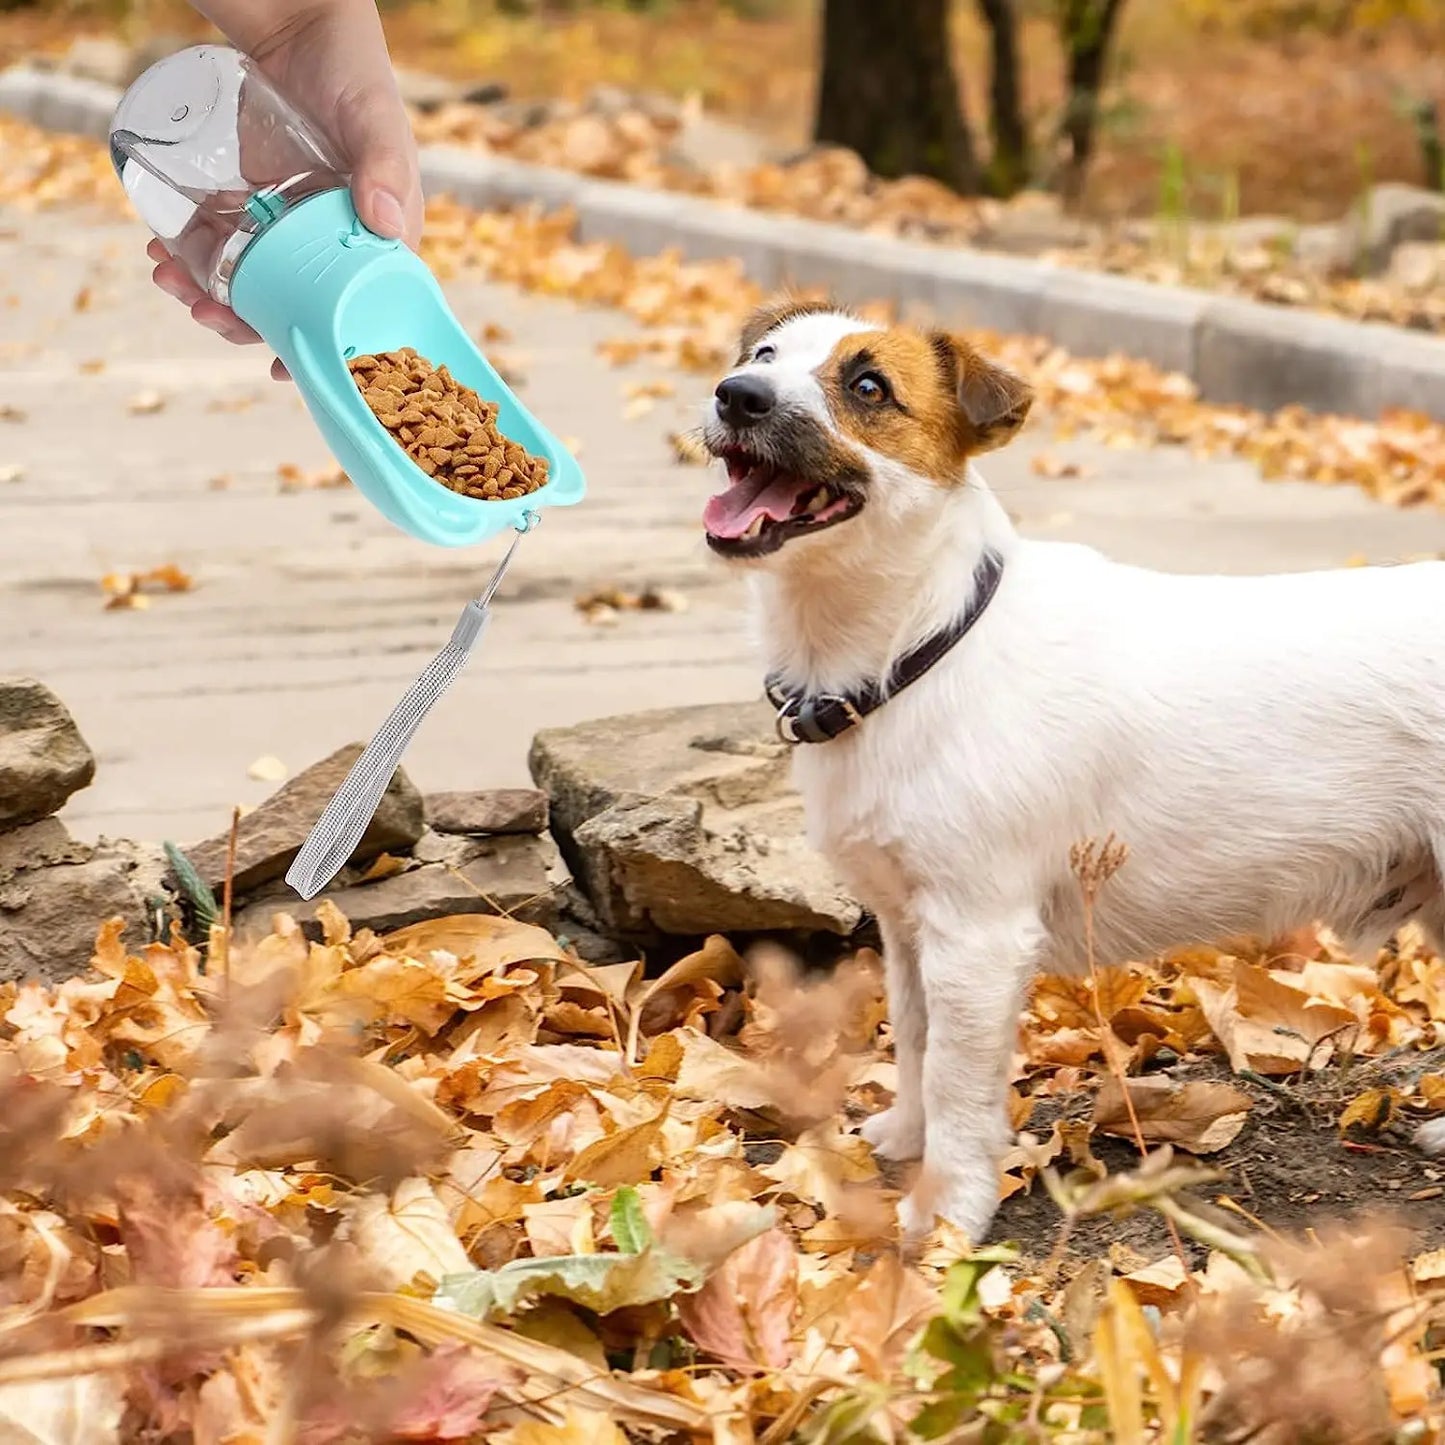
(310, 615)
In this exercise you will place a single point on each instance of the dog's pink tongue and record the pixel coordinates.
(731, 513)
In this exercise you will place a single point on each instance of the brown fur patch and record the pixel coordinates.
(995, 400)
(945, 401)
(773, 314)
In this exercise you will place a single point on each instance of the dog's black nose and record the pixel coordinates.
(743, 401)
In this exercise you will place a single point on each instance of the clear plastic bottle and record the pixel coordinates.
(210, 153)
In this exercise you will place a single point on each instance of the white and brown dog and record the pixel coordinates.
(969, 705)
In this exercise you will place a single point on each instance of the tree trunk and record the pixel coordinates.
(889, 92)
(1086, 28)
(1432, 143)
(1008, 167)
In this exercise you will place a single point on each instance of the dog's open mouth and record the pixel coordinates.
(766, 505)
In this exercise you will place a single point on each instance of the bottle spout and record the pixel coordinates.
(209, 153)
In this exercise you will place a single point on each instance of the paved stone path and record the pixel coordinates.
(310, 614)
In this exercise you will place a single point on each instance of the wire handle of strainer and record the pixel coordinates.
(349, 813)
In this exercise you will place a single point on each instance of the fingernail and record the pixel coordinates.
(387, 216)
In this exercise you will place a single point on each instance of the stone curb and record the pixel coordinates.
(1235, 350)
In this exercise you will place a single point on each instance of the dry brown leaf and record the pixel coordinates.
(1046, 464)
(1268, 1025)
(81, 1410)
(384, 866)
(1200, 1117)
(826, 1167)
(128, 590)
(885, 1313)
(404, 1239)
(578, 1427)
(743, 1313)
(712, 1072)
(445, 1397)
(561, 1225)
(479, 940)
(627, 1157)
(1372, 1111)
(1162, 1284)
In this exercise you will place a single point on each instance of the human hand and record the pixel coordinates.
(331, 60)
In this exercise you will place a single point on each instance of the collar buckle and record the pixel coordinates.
(821, 718)
(817, 719)
(784, 721)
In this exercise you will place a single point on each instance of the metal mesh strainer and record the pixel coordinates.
(348, 814)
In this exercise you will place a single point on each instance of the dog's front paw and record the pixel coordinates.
(1430, 1138)
(894, 1134)
(968, 1207)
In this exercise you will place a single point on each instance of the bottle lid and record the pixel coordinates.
(209, 153)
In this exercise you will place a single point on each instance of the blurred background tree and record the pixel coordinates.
(888, 90)
(1291, 106)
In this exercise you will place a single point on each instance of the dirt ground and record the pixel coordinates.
(1290, 1170)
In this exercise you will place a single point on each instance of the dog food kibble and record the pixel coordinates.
(445, 427)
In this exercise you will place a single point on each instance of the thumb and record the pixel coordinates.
(385, 177)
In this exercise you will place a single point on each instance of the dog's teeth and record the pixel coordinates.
(820, 500)
(754, 531)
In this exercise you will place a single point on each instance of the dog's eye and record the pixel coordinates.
(870, 387)
(765, 353)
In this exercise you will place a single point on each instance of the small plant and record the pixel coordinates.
(1365, 202)
(204, 907)
(1173, 209)
(1423, 112)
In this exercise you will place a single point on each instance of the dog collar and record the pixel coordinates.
(821, 717)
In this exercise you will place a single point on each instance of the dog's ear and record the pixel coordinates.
(994, 401)
(771, 315)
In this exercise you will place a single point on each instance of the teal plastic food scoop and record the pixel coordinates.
(244, 192)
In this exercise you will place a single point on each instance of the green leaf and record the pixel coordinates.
(973, 1373)
(943, 1417)
(202, 900)
(630, 1229)
(941, 1340)
(598, 1282)
(848, 1419)
(960, 1285)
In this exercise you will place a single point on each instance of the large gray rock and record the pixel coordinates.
(55, 893)
(38, 846)
(1326, 248)
(1418, 266)
(520, 877)
(1034, 221)
(1390, 214)
(43, 758)
(270, 837)
(704, 143)
(683, 822)
(497, 810)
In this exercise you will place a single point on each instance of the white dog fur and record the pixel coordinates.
(1271, 750)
